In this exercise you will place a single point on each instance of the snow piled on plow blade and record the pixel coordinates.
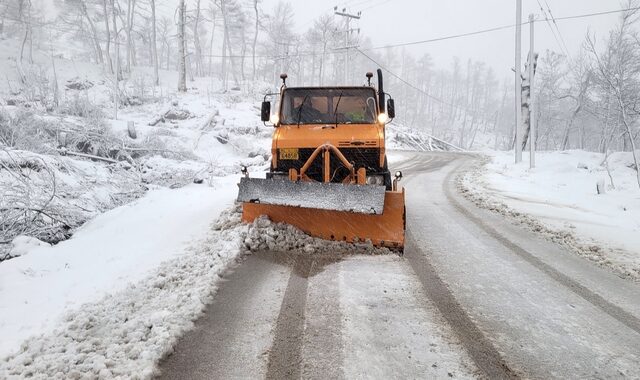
(362, 199)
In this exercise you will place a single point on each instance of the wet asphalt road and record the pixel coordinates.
(473, 296)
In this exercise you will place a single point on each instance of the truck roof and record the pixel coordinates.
(329, 88)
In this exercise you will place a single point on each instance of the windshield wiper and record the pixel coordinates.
(335, 111)
(300, 109)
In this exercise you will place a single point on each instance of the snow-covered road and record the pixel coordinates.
(474, 296)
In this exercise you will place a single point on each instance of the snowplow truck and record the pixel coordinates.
(329, 175)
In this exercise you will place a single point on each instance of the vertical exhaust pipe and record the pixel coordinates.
(381, 103)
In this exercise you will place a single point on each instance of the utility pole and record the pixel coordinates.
(532, 102)
(348, 17)
(518, 146)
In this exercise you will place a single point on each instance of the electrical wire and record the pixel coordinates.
(553, 32)
(375, 5)
(597, 14)
(403, 80)
(558, 29)
(451, 37)
(488, 30)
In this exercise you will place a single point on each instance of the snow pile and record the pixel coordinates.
(559, 199)
(114, 249)
(21, 245)
(128, 332)
(263, 234)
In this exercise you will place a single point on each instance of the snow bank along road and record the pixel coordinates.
(474, 296)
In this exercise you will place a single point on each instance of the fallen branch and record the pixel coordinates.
(150, 150)
(64, 152)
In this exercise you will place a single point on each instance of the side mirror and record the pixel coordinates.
(391, 108)
(265, 112)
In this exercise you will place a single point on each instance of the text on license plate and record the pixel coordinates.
(289, 154)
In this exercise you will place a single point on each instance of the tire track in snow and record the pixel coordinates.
(595, 299)
(285, 356)
(480, 349)
(483, 353)
(323, 347)
(243, 310)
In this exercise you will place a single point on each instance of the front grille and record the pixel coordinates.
(368, 158)
(360, 144)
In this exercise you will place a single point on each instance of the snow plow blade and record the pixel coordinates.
(383, 230)
(363, 199)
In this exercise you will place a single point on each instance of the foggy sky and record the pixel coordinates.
(398, 21)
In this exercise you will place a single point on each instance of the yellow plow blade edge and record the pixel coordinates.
(384, 230)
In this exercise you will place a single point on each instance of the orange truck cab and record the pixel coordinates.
(329, 174)
(345, 117)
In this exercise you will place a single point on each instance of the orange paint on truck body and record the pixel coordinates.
(343, 122)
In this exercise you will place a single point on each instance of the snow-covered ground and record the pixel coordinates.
(140, 306)
(559, 198)
(116, 248)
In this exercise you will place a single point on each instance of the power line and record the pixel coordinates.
(488, 30)
(375, 5)
(445, 38)
(558, 29)
(404, 81)
(597, 14)
(553, 32)
(353, 3)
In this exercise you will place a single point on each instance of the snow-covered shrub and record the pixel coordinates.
(94, 137)
(23, 130)
(26, 130)
(46, 197)
(138, 90)
(38, 89)
(78, 104)
(28, 187)
(235, 98)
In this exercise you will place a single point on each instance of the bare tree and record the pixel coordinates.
(165, 51)
(324, 31)
(92, 27)
(182, 73)
(255, 40)
(128, 27)
(621, 72)
(196, 40)
(24, 10)
(116, 38)
(233, 21)
(107, 35)
(526, 98)
(154, 44)
(212, 13)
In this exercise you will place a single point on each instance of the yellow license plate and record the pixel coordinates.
(289, 154)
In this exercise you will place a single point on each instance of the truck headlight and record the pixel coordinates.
(274, 119)
(382, 118)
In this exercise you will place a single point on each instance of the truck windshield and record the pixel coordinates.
(328, 106)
